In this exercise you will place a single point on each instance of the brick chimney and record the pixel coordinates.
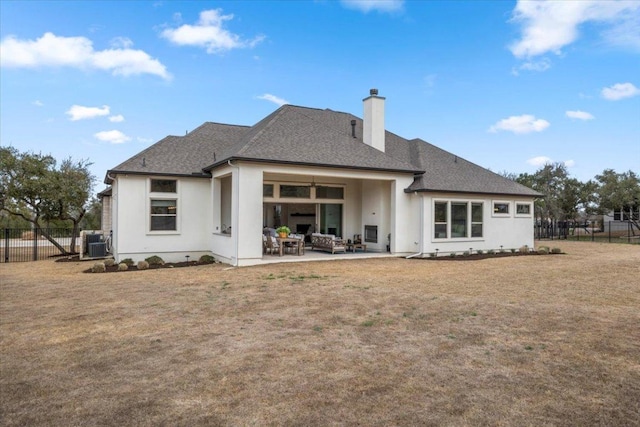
(373, 120)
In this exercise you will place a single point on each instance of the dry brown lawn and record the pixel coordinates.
(541, 341)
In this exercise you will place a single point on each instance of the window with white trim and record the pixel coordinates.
(163, 204)
(457, 219)
(164, 186)
(440, 222)
(476, 219)
(501, 208)
(164, 215)
(523, 209)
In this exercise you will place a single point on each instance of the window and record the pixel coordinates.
(295, 191)
(163, 215)
(458, 219)
(163, 186)
(267, 190)
(501, 208)
(476, 219)
(523, 209)
(440, 220)
(466, 219)
(323, 192)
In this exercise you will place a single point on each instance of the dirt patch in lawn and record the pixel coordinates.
(534, 340)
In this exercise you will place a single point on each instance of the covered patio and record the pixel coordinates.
(311, 255)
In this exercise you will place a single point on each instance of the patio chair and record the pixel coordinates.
(272, 245)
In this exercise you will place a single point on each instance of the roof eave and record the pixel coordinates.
(109, 178)
(324, 165)
(430, 190)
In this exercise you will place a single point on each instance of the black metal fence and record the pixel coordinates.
(609, 231)
(24, 244)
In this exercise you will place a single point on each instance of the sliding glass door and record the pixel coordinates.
(331, 218)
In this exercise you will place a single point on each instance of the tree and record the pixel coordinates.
(68, 201)
(618, 191)
(92, 219)
(564, 197)
(33, 189)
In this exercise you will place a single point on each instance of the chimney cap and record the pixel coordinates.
(373, 91)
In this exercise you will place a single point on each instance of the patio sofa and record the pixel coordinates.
(328, 242)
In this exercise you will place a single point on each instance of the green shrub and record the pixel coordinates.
(513, 250)
(154, 260)
(127, 261)
(466, 253)
(143, 265)
(433, 254)
(123, 267)
(524, 249)
(479, 251)
(207, 259)
(109, 262)
(543, 250)
(98, 267)
(491, 252)
(556, 251)
(452, 255)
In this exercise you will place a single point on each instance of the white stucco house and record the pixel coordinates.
(213, 190)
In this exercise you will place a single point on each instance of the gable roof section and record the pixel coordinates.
(182, 155)
(446, 172)
(308, 136)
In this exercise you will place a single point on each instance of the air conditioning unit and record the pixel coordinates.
(97, 250)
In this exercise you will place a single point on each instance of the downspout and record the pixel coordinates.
(421, 228)
(113, 238)
(235, 202)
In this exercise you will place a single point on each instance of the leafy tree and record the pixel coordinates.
(618, 191)
(92, 219)
(32, 188)
(564, 197)
(548, 180)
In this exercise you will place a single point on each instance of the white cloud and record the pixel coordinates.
(544, 160)
(77, 52)
(620, 91)
(38, 103)
(79, 112)
(273, 98)
(525, 123)
(209, 33)
(542, 65)
(112, 136)
(117, 118)
(539, 161)
(121, 43)
(581, 115)
(549, 25)
(378, 5)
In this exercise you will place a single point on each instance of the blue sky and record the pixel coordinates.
(506, 85)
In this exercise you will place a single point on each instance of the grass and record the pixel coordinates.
(505, 341)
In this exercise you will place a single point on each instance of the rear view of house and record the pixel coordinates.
(214, 190)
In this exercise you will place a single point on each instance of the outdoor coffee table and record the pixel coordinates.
(353, 246)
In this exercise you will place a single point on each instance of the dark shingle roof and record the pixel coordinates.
(446, 172)
(309, 136)
(182, 155)
(313, 137)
